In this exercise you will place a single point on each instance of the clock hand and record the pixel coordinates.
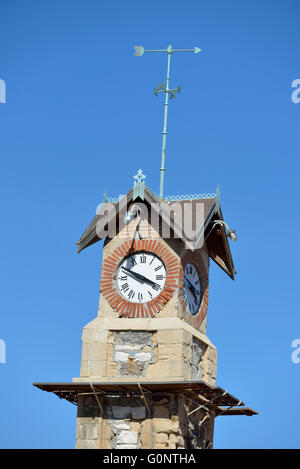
(191, 288)
(140, 277)
(137, 275)
(190, 285)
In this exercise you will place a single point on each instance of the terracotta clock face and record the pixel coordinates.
(192, 294)
(141, 277)
(138, 279)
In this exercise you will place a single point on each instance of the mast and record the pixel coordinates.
(164, 88)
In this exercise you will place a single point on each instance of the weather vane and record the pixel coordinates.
(164, 88)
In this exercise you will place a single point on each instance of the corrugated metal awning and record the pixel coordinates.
(197, 390)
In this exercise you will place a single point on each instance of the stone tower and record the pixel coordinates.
(148, 369)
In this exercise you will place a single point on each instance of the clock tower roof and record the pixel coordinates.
(211, 226)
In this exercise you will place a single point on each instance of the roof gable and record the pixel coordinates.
(171, 215)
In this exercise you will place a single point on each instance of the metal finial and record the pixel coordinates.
(139, 185)
(164, 88)
(139, 177)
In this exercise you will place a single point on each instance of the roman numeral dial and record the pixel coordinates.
(192, 291)
(141, 277)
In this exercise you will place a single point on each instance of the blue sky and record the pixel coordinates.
(80, 118)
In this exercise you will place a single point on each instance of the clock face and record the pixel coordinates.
(141, 277)
(191, 288)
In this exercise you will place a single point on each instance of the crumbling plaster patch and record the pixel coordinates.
(133, 352)
(197, 354)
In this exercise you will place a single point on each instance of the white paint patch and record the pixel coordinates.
(121, 356)
(127, 437)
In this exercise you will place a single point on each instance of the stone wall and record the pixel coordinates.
(133, 351)
(171, 346)
(126, 423)
(148, 349)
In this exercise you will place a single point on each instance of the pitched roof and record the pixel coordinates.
(216, 242)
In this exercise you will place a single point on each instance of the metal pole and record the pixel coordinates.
(164, 132)
(139, 51)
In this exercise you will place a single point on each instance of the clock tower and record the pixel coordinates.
(148, 369)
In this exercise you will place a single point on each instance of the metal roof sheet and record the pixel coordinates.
(215, 395)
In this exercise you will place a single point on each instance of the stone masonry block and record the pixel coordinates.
(187, 338)
(165, 426)
(111, 369)
(154, 337)
(121, 412)
(176, 368)
(87, 335)
(169, 351)
(161, 438)
(86, 444)
(138, 413)
(97, 368)
(110, 352)
(101, 336)
(161, 411)
(93, 351)
(106, 444)
(88, 431)
(110, 337)
(107, 432)
(212, 354)
(186, 370)
(158, 370)
(127, 447)
(135, 425)
(146, 440)
(118, 425)
(170, 336)
(146, 426)
(85, 368)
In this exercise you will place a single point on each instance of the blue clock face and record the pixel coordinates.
(192, 289)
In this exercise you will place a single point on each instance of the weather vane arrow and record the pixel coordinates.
(164, 88)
